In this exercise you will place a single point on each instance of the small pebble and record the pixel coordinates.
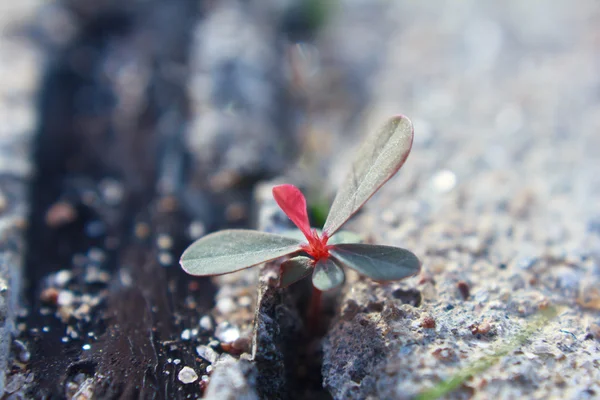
(62, 277)
(226, 305)
(196, 230)
(15, 382)
(463, 288)
(428, 322)
(164, 242)
(207, 353)
(242, 344)
(206, 323)
(482, 328)
(23, 354)
(443, 181)
(245, 301)
(49, 295)
(227, 333)
(65, 298)
(165, 259)
(187, 375)
(60, 213)
(185, 335)
(112, 191)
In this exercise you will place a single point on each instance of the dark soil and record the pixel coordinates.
(99, 201)
(81, 144)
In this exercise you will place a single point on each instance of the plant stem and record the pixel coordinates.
(314, 310)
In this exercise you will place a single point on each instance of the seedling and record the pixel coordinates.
(322, 253)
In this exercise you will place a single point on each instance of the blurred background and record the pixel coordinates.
(130, 128)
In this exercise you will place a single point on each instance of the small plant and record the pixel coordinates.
(322, 253)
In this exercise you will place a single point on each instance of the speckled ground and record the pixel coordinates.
(499, 199)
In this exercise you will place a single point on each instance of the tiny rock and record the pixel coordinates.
(226, 305)
(443, 181)
(206, 323)
(60, 214)
(49, 295)
(428, 322)
(207, 353)
(463, 288)
(65, 298)
(482, 328)
(187, 375)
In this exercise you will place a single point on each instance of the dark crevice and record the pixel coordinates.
(88, 141)
(81, 143)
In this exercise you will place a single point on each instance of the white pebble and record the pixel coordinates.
(196, 230)
(206, 323)
(227, 333)
(62, 277)
(187, 375)
(207, 353)
(186, 334)
(444, 181)
(226, 305)
(65, 298)
(245, 301)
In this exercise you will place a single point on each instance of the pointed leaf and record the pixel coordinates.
(291, 200)
(327, 275)
(295, 269)
(379, 158)
(380, 263)
(231, 250)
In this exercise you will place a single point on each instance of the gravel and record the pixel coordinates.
(497, 193)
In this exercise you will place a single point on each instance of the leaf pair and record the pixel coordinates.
(380, 157)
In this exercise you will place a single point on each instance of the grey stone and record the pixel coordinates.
(510, 221)
(233, 380)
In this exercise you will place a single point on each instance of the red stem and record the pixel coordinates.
(314, 310)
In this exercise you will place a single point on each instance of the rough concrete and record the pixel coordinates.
(498, 199)
(19, 69)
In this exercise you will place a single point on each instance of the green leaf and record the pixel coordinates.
(295, 269)
(231, 250)
(327, 275)
(380, 263)
(379, 158)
